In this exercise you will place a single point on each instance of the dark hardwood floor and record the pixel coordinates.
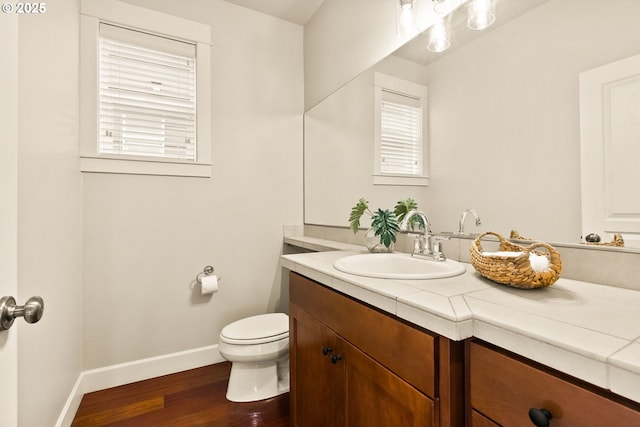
(185, 399)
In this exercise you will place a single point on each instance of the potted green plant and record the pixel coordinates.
(385, 224)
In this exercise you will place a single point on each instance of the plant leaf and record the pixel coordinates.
(356, 213)
(403, 207)
(386, 226)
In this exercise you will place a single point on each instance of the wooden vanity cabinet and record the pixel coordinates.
(353, 365)
(502, 388)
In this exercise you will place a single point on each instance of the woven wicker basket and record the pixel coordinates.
(515, 271)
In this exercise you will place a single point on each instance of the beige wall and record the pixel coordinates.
(146, 237)
(49, 211)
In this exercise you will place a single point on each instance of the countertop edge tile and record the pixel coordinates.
(456, 331)
(577, 365)
(624, 382)
(376, 299)
(627, 358)
(567, 336)
(313, 274)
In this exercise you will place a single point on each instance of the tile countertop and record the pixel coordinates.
(586, 330)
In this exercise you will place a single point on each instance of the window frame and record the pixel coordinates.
(387, 83)
(94, 12)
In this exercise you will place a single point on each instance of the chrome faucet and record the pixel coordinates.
(464, 215)
(406, 222)
(425, 244)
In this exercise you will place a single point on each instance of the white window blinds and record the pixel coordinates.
(147, 95)
(400, 134)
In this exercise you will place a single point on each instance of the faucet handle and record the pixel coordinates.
(436, 251)
(419, 244)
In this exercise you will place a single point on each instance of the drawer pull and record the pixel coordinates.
(540, 417)
(326, 350)
(335, 358)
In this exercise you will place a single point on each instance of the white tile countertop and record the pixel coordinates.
(587, 330)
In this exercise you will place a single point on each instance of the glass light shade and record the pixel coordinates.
(406, 15)
(440, 36)
(481, 14)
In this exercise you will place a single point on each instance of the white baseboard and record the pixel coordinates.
(125, 373)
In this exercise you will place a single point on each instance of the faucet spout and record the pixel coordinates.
(406, 222)
(464, 216)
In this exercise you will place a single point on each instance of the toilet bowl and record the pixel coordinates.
(258, 349)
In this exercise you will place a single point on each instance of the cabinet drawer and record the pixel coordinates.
(405, 350)
(503, 388)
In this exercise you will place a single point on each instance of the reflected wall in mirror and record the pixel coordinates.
(504, 124)
(339, 144)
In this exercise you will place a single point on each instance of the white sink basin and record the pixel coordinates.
(398, 266)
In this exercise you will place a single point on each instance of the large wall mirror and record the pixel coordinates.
(503, 121)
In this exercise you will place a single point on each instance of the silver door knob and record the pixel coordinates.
(31, 311)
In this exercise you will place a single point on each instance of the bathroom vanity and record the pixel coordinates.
(354, 365)
(458, 351)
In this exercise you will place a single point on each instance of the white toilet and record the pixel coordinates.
(258, 349)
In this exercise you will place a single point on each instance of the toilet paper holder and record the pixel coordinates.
(208, 270)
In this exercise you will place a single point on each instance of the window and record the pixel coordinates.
(146, 95)
(144, 92)
(400, 148)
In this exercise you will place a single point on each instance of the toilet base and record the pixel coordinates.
(249, 382)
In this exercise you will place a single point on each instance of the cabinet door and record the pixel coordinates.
(312, 381)
(370, 395)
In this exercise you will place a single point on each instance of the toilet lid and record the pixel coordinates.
(263, 328)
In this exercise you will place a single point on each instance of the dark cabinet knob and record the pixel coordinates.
(326, 350)
(540, 417)
(335, 358)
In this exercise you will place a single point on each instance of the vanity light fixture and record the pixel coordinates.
(406, 16)
(440, 35)
(481, 14)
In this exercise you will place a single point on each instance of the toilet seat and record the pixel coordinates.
(263, 328)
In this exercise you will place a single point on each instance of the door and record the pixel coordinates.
(8, 210)
(610, 150)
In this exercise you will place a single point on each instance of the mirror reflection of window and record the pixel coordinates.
(400, 146)
(400, 134)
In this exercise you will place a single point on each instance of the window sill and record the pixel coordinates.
(401, 180)
(90, 164)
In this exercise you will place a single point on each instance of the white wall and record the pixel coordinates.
(49, 211)
(146, 237)
(505, 117)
